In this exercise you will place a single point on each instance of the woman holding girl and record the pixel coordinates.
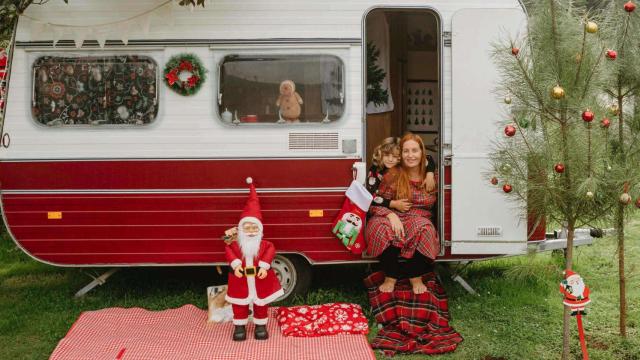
(406, 231)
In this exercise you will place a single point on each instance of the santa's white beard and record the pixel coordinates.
(249, 244)
(577, 288)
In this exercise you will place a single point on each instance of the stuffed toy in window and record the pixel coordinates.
(289, 102)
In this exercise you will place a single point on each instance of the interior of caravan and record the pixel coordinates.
(403, 76)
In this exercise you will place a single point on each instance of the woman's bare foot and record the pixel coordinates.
(388, 285)
(418, 286)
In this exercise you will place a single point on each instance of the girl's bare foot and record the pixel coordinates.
(418, 286)
(388, 285)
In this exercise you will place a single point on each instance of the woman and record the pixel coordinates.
(410, 235)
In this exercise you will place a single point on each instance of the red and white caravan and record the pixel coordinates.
(103, 165)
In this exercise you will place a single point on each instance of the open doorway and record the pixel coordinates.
(403, 76)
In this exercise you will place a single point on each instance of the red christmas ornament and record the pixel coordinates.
(605, 123)
(629, 6)
(515, 51)
(509, 130)
(494, 180)
(587, 116)
(507, 188)
(612, 54)
(559, 168)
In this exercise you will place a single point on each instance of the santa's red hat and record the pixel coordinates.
(251, 211)
(569, 273)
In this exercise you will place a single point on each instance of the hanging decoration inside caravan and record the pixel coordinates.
(184, 74)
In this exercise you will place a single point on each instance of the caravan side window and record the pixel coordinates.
(281, 89)
(94, 90)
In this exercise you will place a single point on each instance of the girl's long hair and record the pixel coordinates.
(387, 146)
(403, 183)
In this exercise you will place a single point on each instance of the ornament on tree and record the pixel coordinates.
(515, 51)
(611, 54)
(506, 168)
(614, 109)
(638, 203)
(559, 168)
(625, 199)
(557, 92)
(507, 99)
(507, 188)
(591, 27)
(605, 123)
(510, 130)
(629, 6)
(589, 195)
(587, 115)
(494, 181)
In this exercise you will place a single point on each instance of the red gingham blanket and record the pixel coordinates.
(411, 323)
(183, 333)
(320, 320)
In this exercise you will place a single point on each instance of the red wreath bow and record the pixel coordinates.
(185, 65)
(172, 76)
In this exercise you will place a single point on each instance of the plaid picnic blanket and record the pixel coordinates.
(411, 323)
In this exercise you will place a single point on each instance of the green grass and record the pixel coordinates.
(518, 314)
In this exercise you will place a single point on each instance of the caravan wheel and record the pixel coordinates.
(294, 274)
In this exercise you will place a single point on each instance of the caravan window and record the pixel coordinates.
(95, 90)
(281, 89)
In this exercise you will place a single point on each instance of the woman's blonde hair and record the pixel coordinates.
(403, 184)
(389, 145)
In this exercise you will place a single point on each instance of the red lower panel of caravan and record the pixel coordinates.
(173, 211)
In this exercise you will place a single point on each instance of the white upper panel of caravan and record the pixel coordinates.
(189, 127)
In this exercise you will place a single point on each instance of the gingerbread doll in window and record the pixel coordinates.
(289, 102)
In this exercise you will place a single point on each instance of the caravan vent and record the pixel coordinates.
(489, 231)
(313, 141)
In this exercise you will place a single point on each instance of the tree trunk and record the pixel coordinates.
(621, 277)
(566, 330)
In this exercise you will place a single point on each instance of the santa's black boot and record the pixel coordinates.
(240, 333)
(261, 332)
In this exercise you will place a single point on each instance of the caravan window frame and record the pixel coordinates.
(337, 52)
(145, 54)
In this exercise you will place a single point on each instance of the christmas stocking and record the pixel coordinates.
(349, 223)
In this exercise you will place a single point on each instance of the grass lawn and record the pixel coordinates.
(518, 314)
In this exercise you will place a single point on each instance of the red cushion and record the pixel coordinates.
(319, 320)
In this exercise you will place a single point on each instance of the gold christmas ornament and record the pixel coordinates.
(557, 92)
(625, 199)
(589, 195)
(507, 99)
(614, 109)
(591, 27)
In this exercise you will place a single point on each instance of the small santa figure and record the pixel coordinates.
(576, 293)
(252, 280)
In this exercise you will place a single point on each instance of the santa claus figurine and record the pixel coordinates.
(576, 293)
(251, 281)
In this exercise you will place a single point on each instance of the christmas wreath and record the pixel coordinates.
(184, 74)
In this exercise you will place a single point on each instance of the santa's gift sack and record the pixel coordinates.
(347, 226)
(219, 309)
(320, 320)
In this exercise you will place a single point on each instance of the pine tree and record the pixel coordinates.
(622, 89)
(375, 76)
(552, 156)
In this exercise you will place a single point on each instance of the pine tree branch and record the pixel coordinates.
(584, 41)
(591, 73)
(534, 90)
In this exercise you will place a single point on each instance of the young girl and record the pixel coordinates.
(385, 156)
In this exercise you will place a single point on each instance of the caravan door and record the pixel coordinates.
(483, 220)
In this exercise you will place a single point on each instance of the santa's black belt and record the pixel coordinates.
(249, 271)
